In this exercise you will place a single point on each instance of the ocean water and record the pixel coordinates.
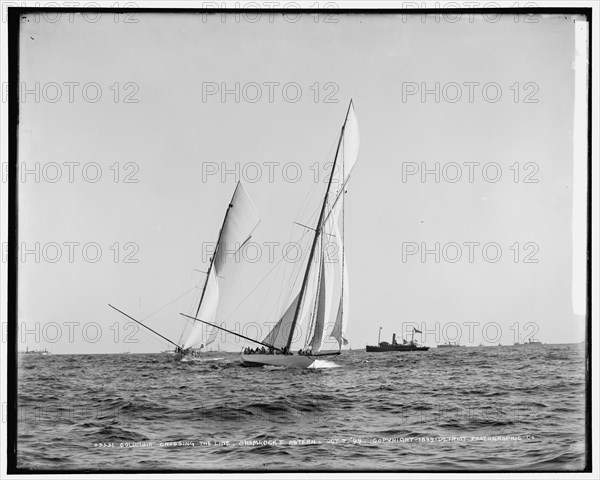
(483, 409)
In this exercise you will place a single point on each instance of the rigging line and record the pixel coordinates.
(314, 215)
(186, 324)
(293, 277)
(234, 333)
(264, 301)
(314, 190)
(318, 294)
(279, 311)
(254, 289)
(305, 249)
(263, 279)
(341, 332)
(311, 219)
(304, 207)
(143, 325)
(277, 307)
(305, 261)
(311, 190)
(170, 303)
(150, 338)
(305, 226)
(290, 286)
(194, 300)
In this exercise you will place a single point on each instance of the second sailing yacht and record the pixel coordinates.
(240, 221)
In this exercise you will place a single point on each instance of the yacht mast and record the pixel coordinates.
(317, 233)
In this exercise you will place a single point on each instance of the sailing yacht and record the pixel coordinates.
(239, 223)
(297, 338)
(319, 302)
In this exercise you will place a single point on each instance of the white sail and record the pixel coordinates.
(350, 142)
(310, 295)
(207, 312)
(280, 333)
(347, 155)
(324, 293)
(211, 335)
(317, 336)
(240, 221)
(339, 328)
(325, 304)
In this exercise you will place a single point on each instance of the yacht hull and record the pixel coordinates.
(396, 348)
(290, 361)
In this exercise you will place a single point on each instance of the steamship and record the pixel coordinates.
(405, 346)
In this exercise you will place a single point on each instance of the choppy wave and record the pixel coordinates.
(491, 409)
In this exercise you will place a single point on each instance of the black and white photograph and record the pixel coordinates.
(310, 238)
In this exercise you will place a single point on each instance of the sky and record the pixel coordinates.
(135, 135)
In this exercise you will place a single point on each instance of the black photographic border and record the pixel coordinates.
(14, 24)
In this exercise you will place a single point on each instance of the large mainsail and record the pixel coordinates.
(241, 218)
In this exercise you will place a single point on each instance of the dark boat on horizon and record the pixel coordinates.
(531, 341)
(405, 346)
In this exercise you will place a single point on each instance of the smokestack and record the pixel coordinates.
(394, 339)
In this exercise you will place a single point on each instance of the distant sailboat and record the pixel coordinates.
(530, 341)
(34, 352)
(318, 302)
(240, 221)
(450, 345)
